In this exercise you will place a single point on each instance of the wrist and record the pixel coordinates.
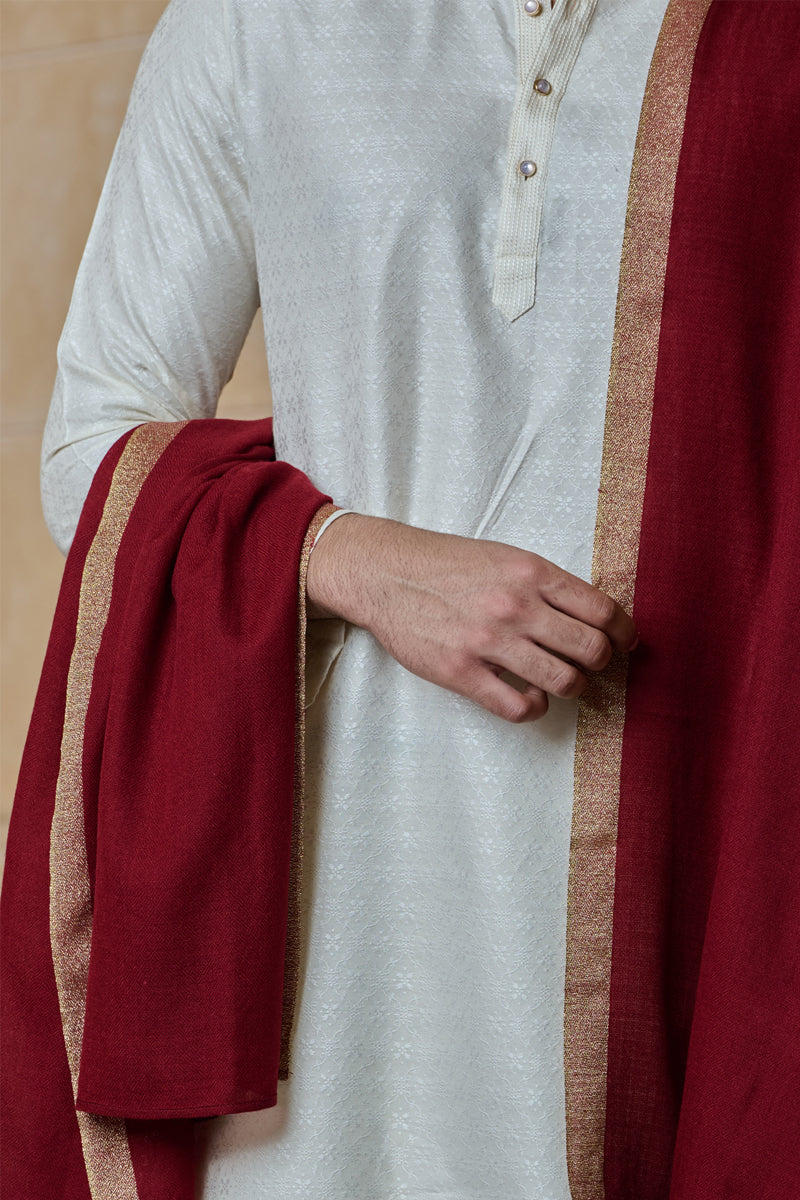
(326, 524)
(334, 576)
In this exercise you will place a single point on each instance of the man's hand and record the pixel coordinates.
(457, 611)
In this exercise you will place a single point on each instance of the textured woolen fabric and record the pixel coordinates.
(188, 775)
(704, 1051)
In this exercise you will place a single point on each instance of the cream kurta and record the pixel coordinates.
(354, 168)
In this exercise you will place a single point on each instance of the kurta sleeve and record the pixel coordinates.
(167, 287)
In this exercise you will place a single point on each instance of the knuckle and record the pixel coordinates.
(500, 606)
(531, 572)
(523, 707)
(597, 651)
(482, 641)
(603, 608)
(522, 568)
(537, 705)
(566, 681)
(458, 666)
(514, 710)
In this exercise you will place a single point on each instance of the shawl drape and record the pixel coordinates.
(154, 841)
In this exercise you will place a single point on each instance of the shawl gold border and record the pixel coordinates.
(106, 1150)
(601, 713)
(291, 973)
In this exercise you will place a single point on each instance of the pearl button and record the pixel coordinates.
(543, 86)
(532, 7)
(527, 168)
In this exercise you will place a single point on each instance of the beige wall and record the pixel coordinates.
(66, 69)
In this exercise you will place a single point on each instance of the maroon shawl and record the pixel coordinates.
(158, 782)
(683, 961)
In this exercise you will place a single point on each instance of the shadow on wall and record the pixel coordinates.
(66, 70)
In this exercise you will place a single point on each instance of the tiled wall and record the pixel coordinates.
(66, 69)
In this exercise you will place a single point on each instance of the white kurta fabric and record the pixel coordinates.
(345, 165)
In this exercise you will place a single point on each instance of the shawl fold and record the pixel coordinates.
(160, 781)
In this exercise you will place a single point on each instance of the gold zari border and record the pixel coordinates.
(601, 713)
(291, 970)
(104, 1140)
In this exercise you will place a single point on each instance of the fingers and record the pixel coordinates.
(542, 644)
(542, 671)
(584, 644)
(500, 698)
(534, 652)
(588, 604)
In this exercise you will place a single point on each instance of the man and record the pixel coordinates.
(429, 202)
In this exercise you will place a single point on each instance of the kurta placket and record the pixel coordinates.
(548, 43)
